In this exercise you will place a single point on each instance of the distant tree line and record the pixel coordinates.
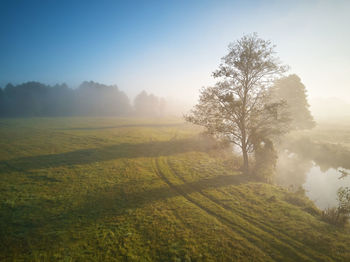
(89, 99)
(149, 105)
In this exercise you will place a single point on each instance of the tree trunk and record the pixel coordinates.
(245, 161)
(243, 131)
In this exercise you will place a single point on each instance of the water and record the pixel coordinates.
(319, 181)
(322, 186)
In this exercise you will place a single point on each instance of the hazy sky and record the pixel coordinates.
(169, 47)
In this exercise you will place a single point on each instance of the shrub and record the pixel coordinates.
(334, 217)
(265, 161)
(339, 215)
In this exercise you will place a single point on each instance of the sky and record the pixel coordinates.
(170, 48)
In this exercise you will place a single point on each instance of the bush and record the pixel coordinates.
(334, 217)
(265, 161)
(340, 215)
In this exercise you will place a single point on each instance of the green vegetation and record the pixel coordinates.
(332, 132)
(236, 108)
(291, 90)
(339, 215)
(112, 189)
(327, 145)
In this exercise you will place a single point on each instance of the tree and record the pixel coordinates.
(98, 99)
(149, 105)
(236, 107)
(292, 90)
(37, 99)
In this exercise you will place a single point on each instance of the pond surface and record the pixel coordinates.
(319, 181)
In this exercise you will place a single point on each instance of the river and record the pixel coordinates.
(320, 183)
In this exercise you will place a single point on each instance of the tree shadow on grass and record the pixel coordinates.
(93, 155)
(124, 126)
(139, 198)
(19, 223)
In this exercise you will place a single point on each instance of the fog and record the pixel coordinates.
(319, 180)
(189, 130)
(89, 99)
(174, 57)
(331, 109)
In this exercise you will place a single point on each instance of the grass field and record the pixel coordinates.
(328, 144)
(335, 132)
(109, 189)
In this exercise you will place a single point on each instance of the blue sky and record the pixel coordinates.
(169, 47)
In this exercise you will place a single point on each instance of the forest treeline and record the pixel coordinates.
(89, 99)
(94, 99)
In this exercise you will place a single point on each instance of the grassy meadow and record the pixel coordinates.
(118, 189)
(333, 132)
(328, 144)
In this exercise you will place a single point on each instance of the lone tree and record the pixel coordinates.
(292, 90)
(236, 108)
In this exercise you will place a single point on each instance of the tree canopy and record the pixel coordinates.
(32, 99)
(149, 105)
(37, 99)
(236, 108)
(293, 92)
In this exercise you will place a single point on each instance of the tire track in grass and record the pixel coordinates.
(266, 227)
(286, 241)
(227, 231)
(239, 245)
(253, 239)
(272, 230)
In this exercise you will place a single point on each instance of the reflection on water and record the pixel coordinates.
(320, 182)
(291, 170)
(322, 187)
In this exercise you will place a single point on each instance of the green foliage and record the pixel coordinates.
(37, 99)
(339, 215)
(332, 216)
(265, 161)
(325, 154)
(114, 189)
(344, 200)
(236, 108)
(291, 90)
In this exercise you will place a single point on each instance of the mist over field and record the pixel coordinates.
(174, 130)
